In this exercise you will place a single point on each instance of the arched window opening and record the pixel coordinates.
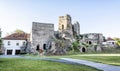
(83, 49)
(62, 26)
(38, 47)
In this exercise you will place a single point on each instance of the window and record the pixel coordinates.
(23, 43)
(62, 26)
(44, 46)
(8, 42)
(90, 42)
(37, 48)
(113, 43)
(17, 44)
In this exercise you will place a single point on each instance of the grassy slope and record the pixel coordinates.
(39, 65)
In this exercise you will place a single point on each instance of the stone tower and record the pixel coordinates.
(76, 28)
(65, 24)
(41, 34)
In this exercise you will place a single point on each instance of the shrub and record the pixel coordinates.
(75, 46)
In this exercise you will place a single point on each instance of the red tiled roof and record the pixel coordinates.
(17, 36)
(109, 39)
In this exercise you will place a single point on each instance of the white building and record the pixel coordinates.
(13, 42)
(111, 42)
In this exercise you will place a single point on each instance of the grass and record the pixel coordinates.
(113, 59)
(39, 65)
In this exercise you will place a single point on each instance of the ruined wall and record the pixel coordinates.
(76, 28)
(94, 38)
(41, 33)
(65, 24)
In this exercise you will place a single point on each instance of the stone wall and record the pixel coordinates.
(41, 34)
(76, 28)
(93, 38)
(65, 24)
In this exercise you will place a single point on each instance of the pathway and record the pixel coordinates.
(100, 66)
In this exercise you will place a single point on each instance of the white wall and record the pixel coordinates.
(111, 43)
(12, 45)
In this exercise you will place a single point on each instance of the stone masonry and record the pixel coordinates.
(93, 38)
(76, 28)
(41, 34)
(65, 24)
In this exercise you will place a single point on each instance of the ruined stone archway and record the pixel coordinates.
(83, 49)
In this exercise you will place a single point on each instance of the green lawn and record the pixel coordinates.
(113, 59)
(39, 65)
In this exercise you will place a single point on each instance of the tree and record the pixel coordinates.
(19, 31)
(81, 36)
(117, 41)
(75, 46)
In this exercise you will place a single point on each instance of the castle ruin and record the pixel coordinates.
(44, 36)
(76, 28)
(65, 24)
(41, 34)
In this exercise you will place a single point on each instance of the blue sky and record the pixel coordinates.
(95, 16)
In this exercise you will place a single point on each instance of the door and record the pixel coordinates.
(17, 52)
(9, 52)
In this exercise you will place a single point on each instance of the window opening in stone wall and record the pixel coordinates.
(38, 47)
(90, 42)
(44, 46)
(83, 49)
(62, 26)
